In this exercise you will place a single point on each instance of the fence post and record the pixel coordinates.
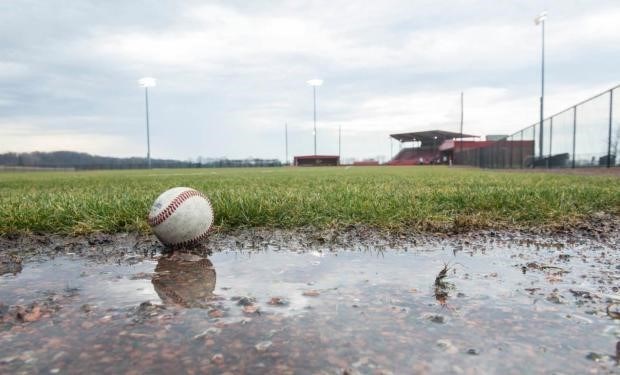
(512, 138)
(521, 151)
(611, 106)
(550, 157)
(574, 132)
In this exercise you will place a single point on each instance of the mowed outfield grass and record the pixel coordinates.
(392, 198)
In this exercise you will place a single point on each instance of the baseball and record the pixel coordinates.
(181, 216)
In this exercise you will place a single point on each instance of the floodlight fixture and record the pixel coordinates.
(315, 82)
(541, 18)
(147, 82)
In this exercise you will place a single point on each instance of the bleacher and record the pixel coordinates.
(414, 156)
(425, 148)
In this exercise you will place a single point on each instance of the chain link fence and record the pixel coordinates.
(584, 135)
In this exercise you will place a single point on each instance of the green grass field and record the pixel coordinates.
(394, 198)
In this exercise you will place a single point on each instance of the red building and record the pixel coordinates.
(316, 160)
(450, 149)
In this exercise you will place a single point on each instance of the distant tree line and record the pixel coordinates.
(80, 160)
(232, 163)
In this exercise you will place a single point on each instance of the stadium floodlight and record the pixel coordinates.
(314, 83)
(147, 82)
(540, 20)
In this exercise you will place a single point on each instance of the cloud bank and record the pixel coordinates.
(230, 75)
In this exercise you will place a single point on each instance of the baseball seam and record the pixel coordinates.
(172, 207)
(194, 240)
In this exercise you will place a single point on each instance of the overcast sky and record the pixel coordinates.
(232, 73)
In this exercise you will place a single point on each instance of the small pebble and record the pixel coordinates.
(278, 301)
(437, 319)
(595, 357)
(218, 358)
(447, 346)
(262, 346)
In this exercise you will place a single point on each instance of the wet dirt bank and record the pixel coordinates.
(600, 227)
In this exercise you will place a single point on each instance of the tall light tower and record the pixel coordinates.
(540, 20)
(461, 123)
(314, 83)
(147, 82)
(286, 142)
(339, 143)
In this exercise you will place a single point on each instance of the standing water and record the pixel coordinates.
(480, 307)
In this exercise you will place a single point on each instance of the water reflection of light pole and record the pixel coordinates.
(314, 83)
(540, 20)
(147, 82)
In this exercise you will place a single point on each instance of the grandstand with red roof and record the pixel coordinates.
(425, 147)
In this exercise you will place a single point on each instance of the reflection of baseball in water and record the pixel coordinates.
(181, 216)
(184, 279)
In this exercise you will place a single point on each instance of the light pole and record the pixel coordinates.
(461, 124)
(540, 20)
(147, 82)
(286, 142)
(314, 83)
(339, 143)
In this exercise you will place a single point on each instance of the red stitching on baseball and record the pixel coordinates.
(194, 240)
(176, 203)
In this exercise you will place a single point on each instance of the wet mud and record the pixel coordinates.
(290, 302)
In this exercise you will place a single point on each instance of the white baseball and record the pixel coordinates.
(181, 216)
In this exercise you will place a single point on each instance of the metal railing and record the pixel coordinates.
(584, 135)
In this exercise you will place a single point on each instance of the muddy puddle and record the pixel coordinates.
(484, 307)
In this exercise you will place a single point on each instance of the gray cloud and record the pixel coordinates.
(231, 74)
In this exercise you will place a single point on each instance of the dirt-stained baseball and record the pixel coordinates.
(181, 216)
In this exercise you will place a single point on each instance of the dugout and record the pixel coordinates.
(316, 160)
